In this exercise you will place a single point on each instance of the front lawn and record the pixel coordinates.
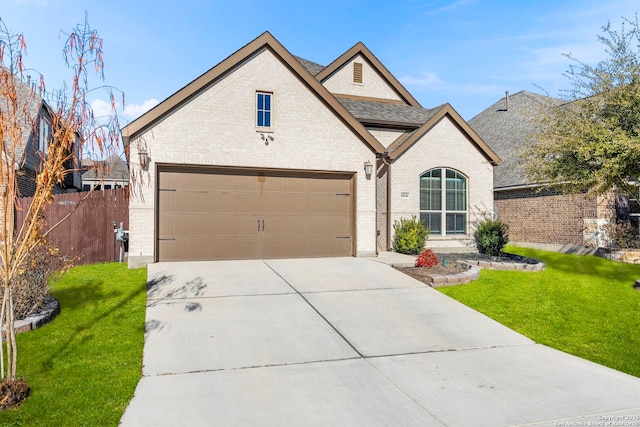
(84, 366)
(583, 305)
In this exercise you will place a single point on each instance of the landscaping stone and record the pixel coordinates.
(49, 311)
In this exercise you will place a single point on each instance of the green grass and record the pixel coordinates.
(583, 305)
(84, 366)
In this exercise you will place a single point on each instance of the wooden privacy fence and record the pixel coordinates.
(88, 233)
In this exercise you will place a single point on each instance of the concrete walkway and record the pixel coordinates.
(348, 342)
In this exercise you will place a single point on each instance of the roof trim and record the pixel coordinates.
(368, 98)
(447, 110)
(265, 40)
(360, 49)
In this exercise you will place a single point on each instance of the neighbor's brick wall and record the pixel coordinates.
(373, 85)
(546, 217)
(217, 127)
(443, 146)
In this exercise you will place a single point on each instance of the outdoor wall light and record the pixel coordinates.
(143, 157)
(266, 137)
(368, 169)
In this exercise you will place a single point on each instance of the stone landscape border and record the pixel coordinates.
(49, 311)
(473, 271)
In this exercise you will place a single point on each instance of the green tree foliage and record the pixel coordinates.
(492, 236)
(410, 236)
(591, 141)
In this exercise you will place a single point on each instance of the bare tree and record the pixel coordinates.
(72, 129)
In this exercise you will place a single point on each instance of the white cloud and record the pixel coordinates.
(427, 80)
(133, 111)
(102, 108)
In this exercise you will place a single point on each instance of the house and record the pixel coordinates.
(268, 155)
(535, 215)
(105, 174)
(35, 117)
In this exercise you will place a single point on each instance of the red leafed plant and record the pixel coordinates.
(427, 259)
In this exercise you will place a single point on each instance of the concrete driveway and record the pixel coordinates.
(349, 341)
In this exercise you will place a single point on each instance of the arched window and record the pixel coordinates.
(444, 201)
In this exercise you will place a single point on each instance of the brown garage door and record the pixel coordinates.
(249, 214)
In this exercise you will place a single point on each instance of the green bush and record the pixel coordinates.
(492, 237)
(410, 236)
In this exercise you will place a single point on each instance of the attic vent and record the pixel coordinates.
(357, 72)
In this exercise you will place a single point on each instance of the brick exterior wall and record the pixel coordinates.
(443, 146)
(551, 218)
(373, 85)
(217, 127)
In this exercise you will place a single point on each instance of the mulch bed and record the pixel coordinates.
(424, 273)
(12, 394)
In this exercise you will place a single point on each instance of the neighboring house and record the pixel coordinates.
(268, 155)
(36, 118)
(535, 216)
(105, 174)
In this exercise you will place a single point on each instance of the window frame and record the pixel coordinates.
(44, 135)
(261, 111)
(443, 204)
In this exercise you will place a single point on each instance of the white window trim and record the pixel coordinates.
(269, 128)
(443, 211)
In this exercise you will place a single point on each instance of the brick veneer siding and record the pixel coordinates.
(545, 217)
(444, 146)
(373, 84)
(217, 127)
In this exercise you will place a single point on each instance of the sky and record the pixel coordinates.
(464, 52)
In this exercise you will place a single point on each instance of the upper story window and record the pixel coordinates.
(443, 201)
(44, 135)
(357, 72)
(264, 109)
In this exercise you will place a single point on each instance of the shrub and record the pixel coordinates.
(31, 284)
(492, 236)
(427, 259)
(623, 235)
(410, 236)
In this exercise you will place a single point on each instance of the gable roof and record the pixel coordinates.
(387, 114)
(507, 129)
(264, 41)
(433, 117)
(360, 49)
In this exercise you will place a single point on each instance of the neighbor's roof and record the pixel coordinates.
(112, 169)
(507, 131)
(29, 105)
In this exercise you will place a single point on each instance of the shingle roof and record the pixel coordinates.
(311, 66)
(29, 105)
(114, 168)
(375, 111)
(507, 131)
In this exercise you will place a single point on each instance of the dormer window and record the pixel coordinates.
(263, 109)
(357, 72)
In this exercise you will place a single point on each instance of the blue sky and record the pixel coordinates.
(465, 52)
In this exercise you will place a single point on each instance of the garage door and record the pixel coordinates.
(250, 214)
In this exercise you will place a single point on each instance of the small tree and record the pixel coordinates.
(592, 141)
(73, 126)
